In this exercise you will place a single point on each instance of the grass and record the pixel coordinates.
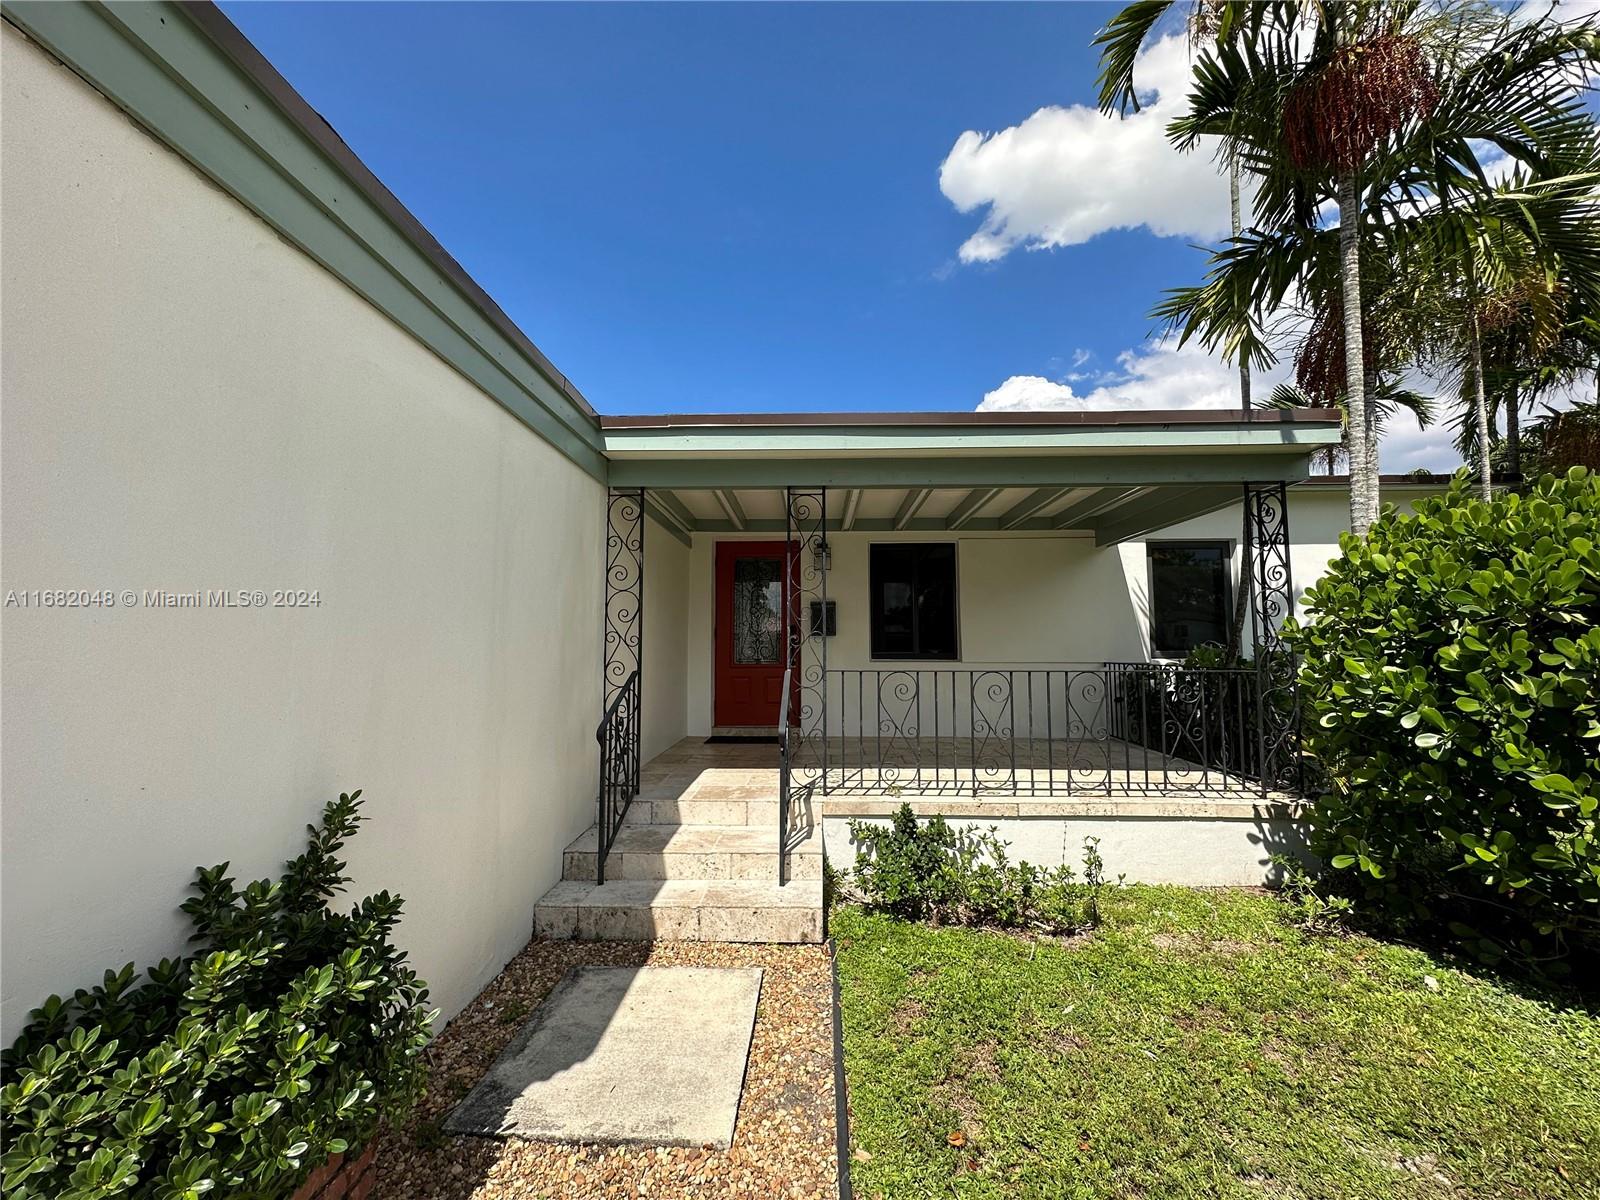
(1196, 1045)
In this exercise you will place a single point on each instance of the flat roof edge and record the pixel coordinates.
(1043, 417)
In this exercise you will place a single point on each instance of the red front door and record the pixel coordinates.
(751, 633)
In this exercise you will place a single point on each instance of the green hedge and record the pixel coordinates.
(233, 1072)
(1451, 681)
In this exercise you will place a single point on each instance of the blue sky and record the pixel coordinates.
(759, 207)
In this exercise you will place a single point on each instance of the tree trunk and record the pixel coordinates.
(1369, 389)
(1238, 226)
(1480, 404)
(1514, 430)
(1362, 507)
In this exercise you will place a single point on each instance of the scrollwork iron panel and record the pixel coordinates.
(806, 580)
(1277, 712)
(624, 590)
(622, 661)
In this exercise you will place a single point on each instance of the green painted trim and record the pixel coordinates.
(1079, 515)
(731, 506)
(852, 502)
(667, 526)
(1031, 504)
(969, 504)
(783, 441)
(911, 506)
(1161, 510)
(159, 67)
(676, 509)
(957, 471)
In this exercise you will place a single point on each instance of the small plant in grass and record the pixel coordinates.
(233, 1072)
(1309, 903)
(948, 876)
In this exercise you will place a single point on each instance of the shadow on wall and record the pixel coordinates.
(1289, 839)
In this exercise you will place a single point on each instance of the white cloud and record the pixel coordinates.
(1066, 175)
(1027, 393)
(1159, 375)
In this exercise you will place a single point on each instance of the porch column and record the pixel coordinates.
(624, 591)
(1266, 550)
(805, 584)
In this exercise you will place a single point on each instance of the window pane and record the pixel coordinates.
(1188, 597)
(757, 603)
(936, 602)
(913, 596)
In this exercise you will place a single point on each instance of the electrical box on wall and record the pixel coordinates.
(824, 619)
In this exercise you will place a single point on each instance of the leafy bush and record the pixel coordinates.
(1452, 686)
(964, 876)
(233, 1072)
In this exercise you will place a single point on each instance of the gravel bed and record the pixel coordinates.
(783, 1144)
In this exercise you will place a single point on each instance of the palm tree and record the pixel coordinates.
(1374, 108)
(1500, 291)
(1385, 398)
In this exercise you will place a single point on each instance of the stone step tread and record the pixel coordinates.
(685, 893)
(696, 839)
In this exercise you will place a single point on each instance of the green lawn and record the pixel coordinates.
(1197, 1046)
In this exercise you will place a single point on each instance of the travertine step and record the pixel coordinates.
(711, 805)
(682, 910)
(695, 852)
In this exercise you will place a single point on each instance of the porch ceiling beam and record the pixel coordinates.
(969, 505)
(730, 505)
(1163, 508)
(912, 504)
(1081, 515)
(674, 508)
(852, 502)
(660, 517)
(1036, 501)
(836, 471)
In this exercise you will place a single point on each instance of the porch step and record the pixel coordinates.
(682, 910)
(694, 852)
(707, 804)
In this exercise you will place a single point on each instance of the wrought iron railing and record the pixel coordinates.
(1107, 729)
(784, 763)
(618, 736)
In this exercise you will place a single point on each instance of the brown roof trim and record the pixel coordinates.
(226, 36)
(1343, 481)
(1157, 417)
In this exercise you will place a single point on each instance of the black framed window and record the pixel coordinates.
(913, 586)
(1189, 603)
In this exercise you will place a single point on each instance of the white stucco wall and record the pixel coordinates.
(666, 641)
(1026, 598)
(1190, 851)
(188, 403)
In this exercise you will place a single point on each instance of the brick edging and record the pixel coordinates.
(342, 1177)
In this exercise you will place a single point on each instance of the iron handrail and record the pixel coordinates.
(783, 772)
(618, 735)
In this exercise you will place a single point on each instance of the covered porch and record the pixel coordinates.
(970, 612)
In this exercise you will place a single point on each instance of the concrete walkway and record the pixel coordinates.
(642, 1055)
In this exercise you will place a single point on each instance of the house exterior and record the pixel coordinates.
(291, 507)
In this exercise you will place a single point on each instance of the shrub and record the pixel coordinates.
(950, 876)
(1451, 680)
(233, 1072)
